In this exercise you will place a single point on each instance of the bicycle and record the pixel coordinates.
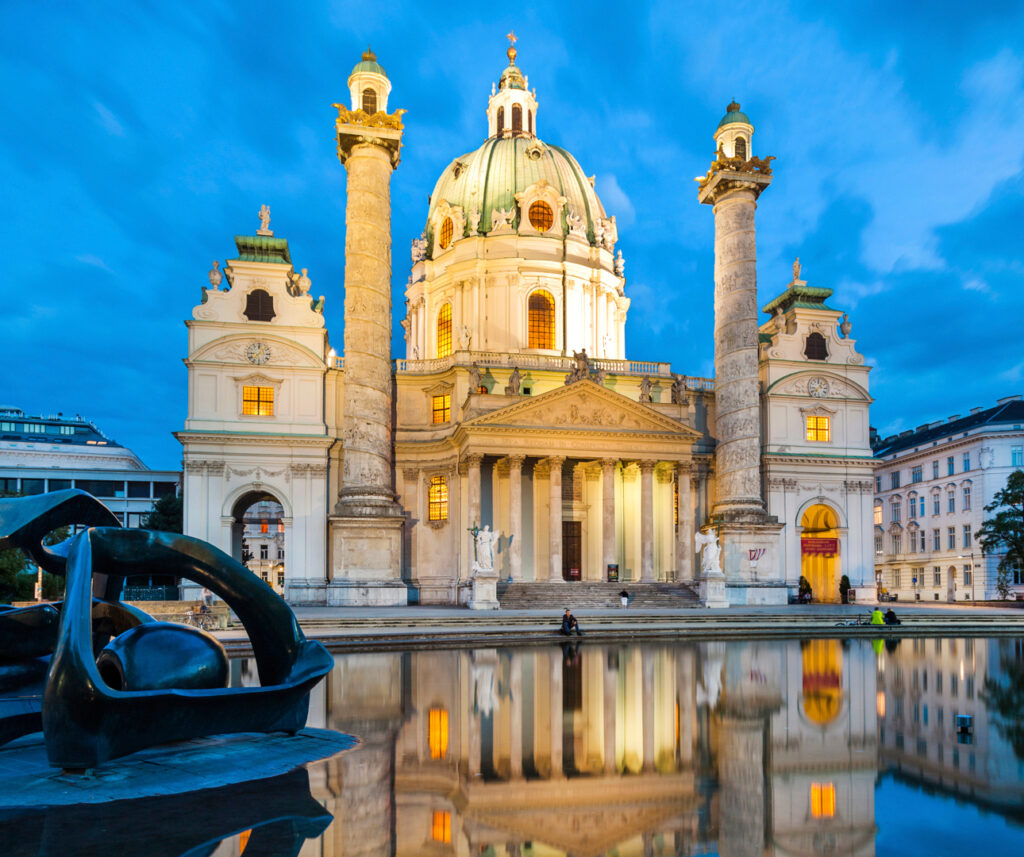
(857, 622)
(204, 620)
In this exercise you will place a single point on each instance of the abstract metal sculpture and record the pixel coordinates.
(153, 682)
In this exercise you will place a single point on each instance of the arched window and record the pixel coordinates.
(259, 306)
(501, 119)
(444, 331)
(437, 499)
(741, 148)
(815, 348)
(369, 101)
(529, 117)
(447, 229)
(541, 320)
(517, 118)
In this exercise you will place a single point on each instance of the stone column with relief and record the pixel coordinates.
(732, 186)
(366, 527)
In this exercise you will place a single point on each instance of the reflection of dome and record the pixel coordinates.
(733, 114)
(490, 178)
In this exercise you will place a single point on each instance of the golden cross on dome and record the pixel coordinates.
(511, 52)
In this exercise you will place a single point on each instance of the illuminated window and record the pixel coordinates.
(259, 306)
(437, 732)
(369, 101)
(437, 500)
(517, 118)
(441, 826)
(264, 526)
(541, 216)
(741, 148)
(675, 502)
(444, 331)
(878, 513)
(441, 408)
(258, 401)
(823, 800)
(541, 314)
(818, 429)
(447, 228)
(815, 348)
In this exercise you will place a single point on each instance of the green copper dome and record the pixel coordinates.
(369, 63)
(733, 114)
(490, 178)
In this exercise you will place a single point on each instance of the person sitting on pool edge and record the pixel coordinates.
(876, 616)
(569, 623)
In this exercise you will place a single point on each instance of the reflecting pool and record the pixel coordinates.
(813, 747)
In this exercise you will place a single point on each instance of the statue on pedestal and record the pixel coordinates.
(484, 579)
(710, 551)
(514, 380)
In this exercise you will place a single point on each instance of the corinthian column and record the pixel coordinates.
(608, 513)
(555, 517)
(515, 516)
(684, 529)
(366, 528)
(647, 521)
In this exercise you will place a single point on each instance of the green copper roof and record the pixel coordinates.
(733, 114)
(369, 63)
(263, 248)
(807, 297)
(490, 178)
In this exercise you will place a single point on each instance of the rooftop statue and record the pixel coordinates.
(117, 680)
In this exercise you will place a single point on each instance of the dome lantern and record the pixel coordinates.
(512, 109)
(734, 132)
(368, 85)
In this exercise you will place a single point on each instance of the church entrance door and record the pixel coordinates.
(819, 552)
(572, 549)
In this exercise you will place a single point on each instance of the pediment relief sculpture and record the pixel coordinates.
(239, 349)
(584, 404)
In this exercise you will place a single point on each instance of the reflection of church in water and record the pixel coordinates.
(516, 406)
(739, 748)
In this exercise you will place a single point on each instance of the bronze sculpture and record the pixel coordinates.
(118, 681)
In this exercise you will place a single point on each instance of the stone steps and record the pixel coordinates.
(557, 595)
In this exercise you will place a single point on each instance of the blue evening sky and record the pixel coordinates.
(138, 138)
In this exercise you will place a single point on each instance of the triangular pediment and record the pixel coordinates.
(586, 406)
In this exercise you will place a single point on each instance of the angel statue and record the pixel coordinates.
(485, 541)
(706, 542)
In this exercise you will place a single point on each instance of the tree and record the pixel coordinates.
(17, 574)
(167, 515)
(1004, 531)
(1003, 696)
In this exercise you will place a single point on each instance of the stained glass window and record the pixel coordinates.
(437, 499)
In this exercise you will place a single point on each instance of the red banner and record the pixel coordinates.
(825, 547)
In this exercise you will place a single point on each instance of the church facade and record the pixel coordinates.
(516, 409)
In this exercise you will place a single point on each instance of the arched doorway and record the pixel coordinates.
(819, 552)
(258, 537)
(951, 584)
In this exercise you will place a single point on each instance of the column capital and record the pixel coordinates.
(684, 467)
(473, 459)
(647, 465)
(609, 463)
(515, 461)
(383, 130)
(410, 474)
(555, 459)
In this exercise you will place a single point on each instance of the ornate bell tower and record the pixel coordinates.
(366, 528)
(732, 186)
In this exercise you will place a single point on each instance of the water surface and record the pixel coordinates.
(740, 748)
